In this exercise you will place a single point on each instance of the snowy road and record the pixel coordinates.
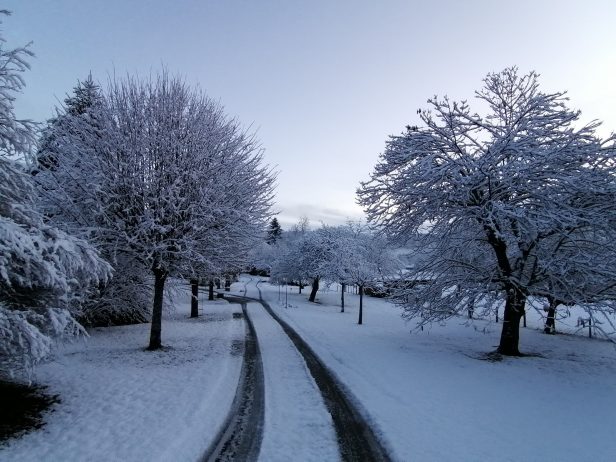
(297, 424)
(241, 435)
(307, 415)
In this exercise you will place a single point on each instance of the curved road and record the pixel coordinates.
(241, 438)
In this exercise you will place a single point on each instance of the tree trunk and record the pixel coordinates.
(361, 305)
(510, 335)
(315, 288)
(210, 295)
(550, 322)
(471, 308)
(217, 281)
(227, 283)
(194, 299)
(343, 287)
(301, 286)
(157, 311)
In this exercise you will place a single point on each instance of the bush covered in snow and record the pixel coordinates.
(44, 275)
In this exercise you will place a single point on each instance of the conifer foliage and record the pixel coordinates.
(274, 232)
(44, 272)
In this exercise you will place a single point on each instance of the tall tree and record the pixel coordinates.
(173, 183)
(508, 185)
(66, 173)
(274, 232)
(63, 131)
(44, 272)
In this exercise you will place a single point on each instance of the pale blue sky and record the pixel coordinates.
(324, 82)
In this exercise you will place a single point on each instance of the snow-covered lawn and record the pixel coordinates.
(430, 396)
(122, 403)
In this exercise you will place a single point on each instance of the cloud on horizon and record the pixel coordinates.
(291, 213)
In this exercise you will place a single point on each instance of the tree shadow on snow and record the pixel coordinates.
(495, 356)
(22, 407)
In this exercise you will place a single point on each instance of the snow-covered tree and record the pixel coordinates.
(44, 272)
(274, 231)
(301, 227)
(496, 200)
(66, 128)
(358, 257)
(313, 253)
(17, 136)
(172, 183)
(65, 165)
(301, 258)
(44, 275)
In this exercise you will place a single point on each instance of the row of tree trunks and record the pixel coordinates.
(194, 306)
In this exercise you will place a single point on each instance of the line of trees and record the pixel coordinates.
(149, 174)
(517, 204)
(345, 255)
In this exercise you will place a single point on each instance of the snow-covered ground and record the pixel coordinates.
(430, 396)
(122, 403)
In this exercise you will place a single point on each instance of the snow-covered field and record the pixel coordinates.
(122, 403)
(431, 397)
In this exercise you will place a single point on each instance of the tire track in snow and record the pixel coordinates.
(356, 440)
(241, 435)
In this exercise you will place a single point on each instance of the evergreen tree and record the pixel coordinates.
(70, 141)
(86, 94)
(274, 233)
(44, 272)
(65, 130)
